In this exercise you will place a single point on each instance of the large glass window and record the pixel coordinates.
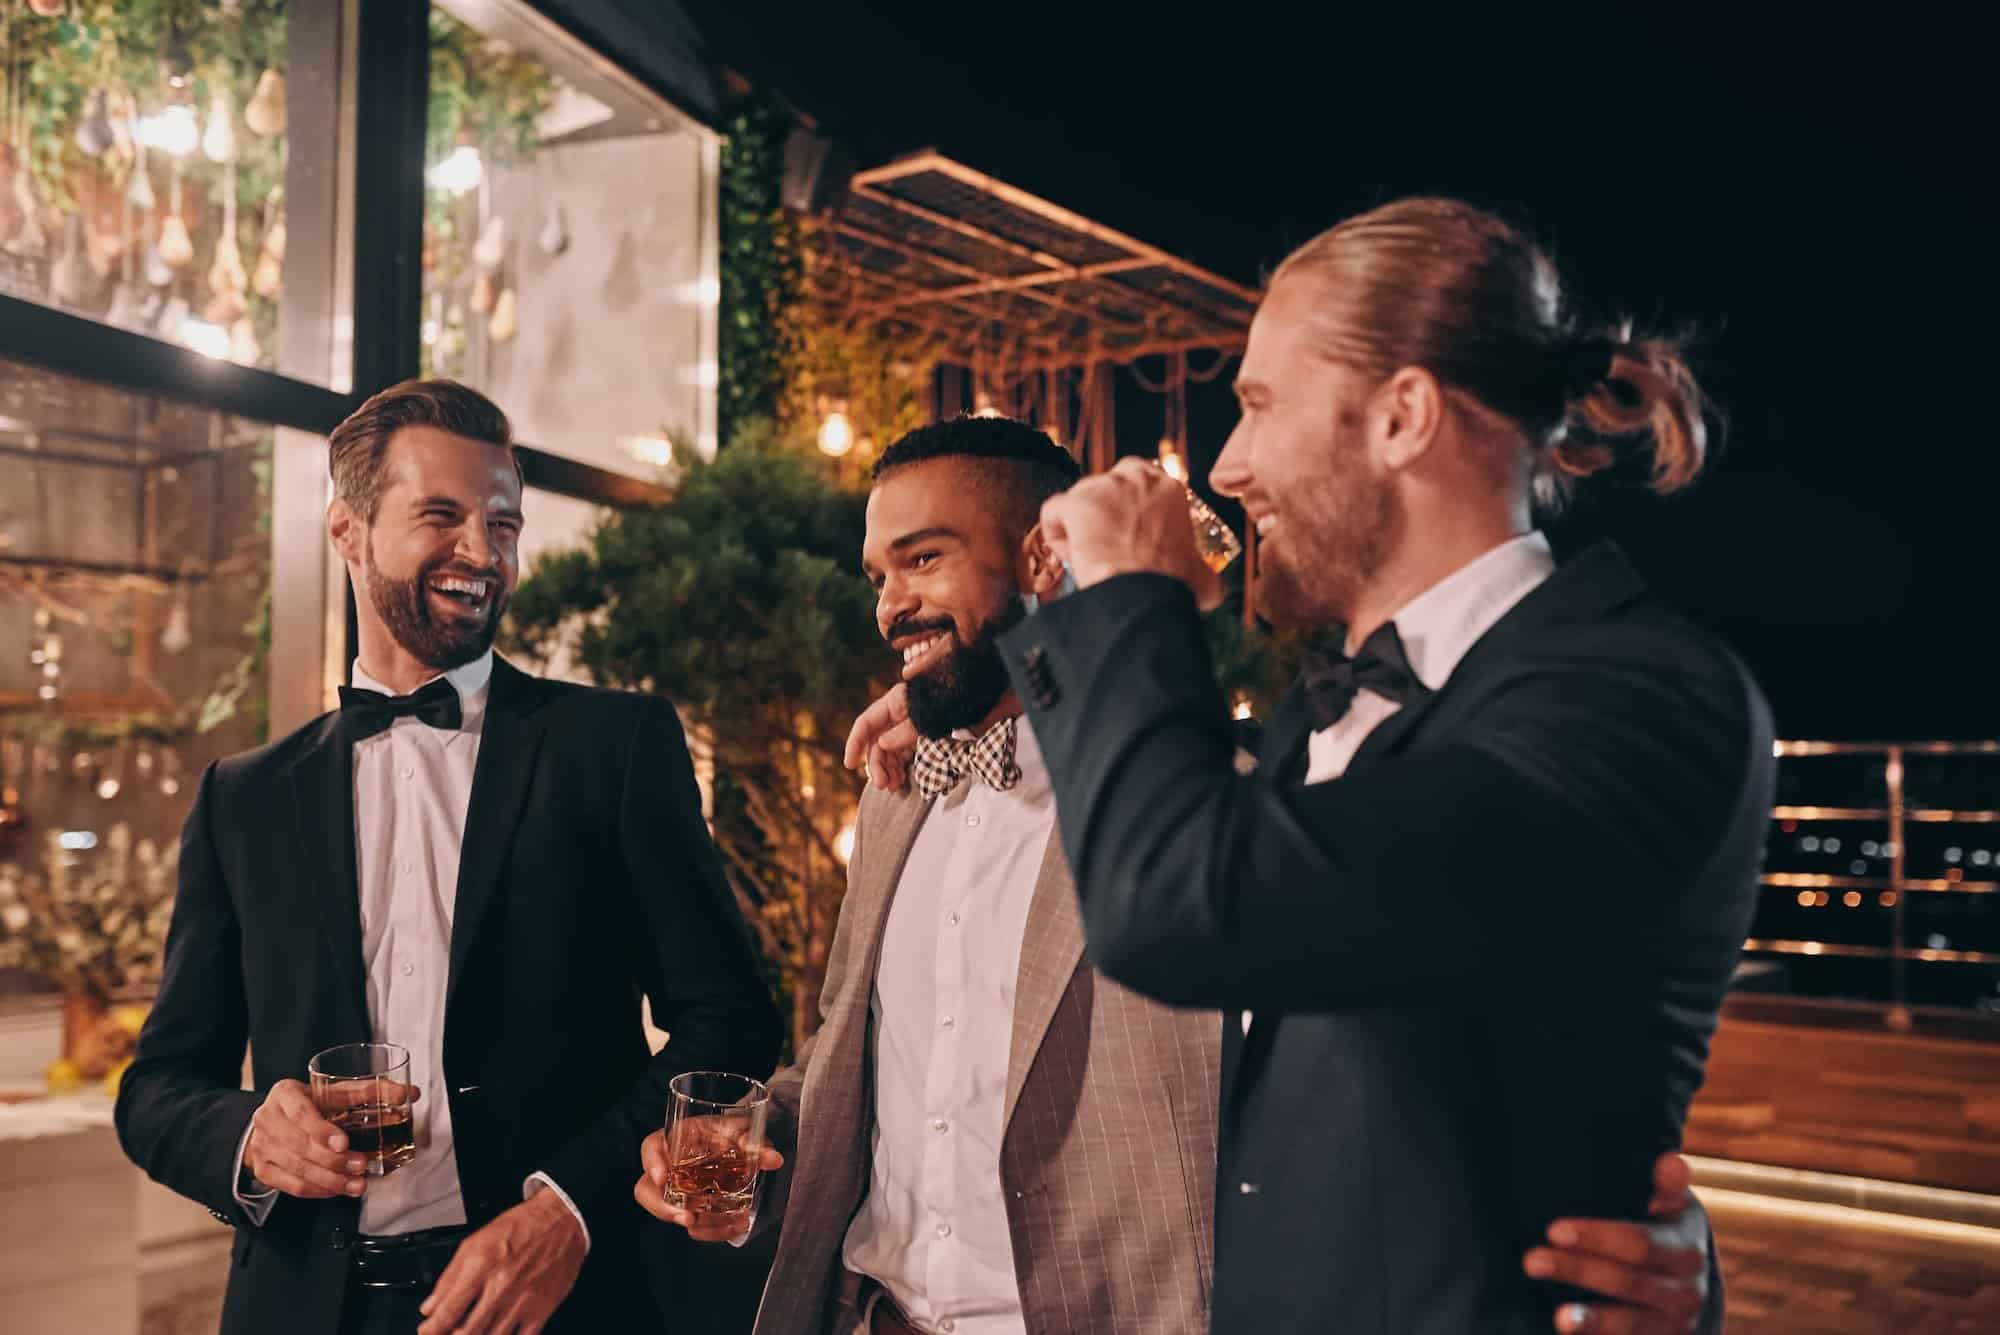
(569, 256)
(146, 152)
(135, 578)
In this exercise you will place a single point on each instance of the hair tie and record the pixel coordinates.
(1586, 364)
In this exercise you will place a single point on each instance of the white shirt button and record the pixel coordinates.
(947, 1023)
(944, 1230)
(409, 969)
(947, 1326)
(952, 917)
(973, 820)
(940, 1126)
(1248, 1188)
(409, 773)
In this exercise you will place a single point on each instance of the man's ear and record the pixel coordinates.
(1041, 569)
(346, 529)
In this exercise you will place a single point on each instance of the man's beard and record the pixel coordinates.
(1336, 534)
(962, 688)
(405, 609)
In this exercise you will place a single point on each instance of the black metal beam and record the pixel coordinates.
(75, 345)
(393, 90)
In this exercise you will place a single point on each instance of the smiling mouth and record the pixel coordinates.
(919, 654)
(469, 595)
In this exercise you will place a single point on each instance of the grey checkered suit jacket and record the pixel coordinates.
(1108, 1155)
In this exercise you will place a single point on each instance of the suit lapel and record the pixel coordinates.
(1051, 949)
(322, 809)
(508, 742)
(901, 818)
(1285, 743)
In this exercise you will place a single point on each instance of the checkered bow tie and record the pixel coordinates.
(943, 762)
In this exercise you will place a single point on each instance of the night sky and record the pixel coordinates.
(1810, 199)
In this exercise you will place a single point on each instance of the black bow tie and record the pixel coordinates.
(1332, 678)
(365, 713)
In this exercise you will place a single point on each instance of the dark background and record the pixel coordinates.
(1808, 195)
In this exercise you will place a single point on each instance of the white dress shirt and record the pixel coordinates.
(1438, 627)
(933, 1229)
(412, 786)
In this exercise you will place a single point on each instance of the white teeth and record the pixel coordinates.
(920, 648)
(470, 587)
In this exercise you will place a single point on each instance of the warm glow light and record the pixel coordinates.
(1242, 708)
(1888, 899)
(1852, 899)
(982, 406)
(655, 450)
(460, 171)
(836, 434)
(172, 131)
(843, 844)
(210, 340)
(1170, 459)
(1810, 948)
(1805, 899)
(108, 789)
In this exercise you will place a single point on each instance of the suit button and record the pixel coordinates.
(1248, 1188)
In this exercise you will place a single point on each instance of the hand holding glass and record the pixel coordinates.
(715, 1147)
(365, 1090)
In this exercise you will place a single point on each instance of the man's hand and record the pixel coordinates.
(509, 1277)
(650, 1190)
(1658, 1272)
(1130, 520)
(297, 1151)
(883, 739)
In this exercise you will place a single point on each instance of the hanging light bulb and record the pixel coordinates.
(843, 843)
(172, 130)
(94, 132)
(982, 405)
(460, 171)
(139, 190)
(554, 238)
(264, 113)
(219, 142)
(176, 246)
(113, 780)
(170, 772)
(492, 245)
(836, 434)
(210, 340)
(506, 319)
(269, 280)
(244, 349)
(1171, 461)
(177, 637)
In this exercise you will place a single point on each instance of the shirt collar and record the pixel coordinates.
(473, 681)
(1440, 625)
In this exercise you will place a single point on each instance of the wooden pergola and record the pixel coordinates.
(1036, 302)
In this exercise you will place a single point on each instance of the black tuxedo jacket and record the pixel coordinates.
(587, 878)
(1485, 963)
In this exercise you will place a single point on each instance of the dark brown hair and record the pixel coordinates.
(357, 447)
(1439, 284)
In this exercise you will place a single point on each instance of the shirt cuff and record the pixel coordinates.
(534, 1186)
(255, 1198)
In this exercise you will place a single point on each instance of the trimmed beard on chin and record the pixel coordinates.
(406, 612)
(960, 691)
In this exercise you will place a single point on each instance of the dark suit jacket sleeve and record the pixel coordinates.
(694, 958)
(1583, 799)
(181, 1109)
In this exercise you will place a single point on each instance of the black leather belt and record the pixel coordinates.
(405, 1261)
